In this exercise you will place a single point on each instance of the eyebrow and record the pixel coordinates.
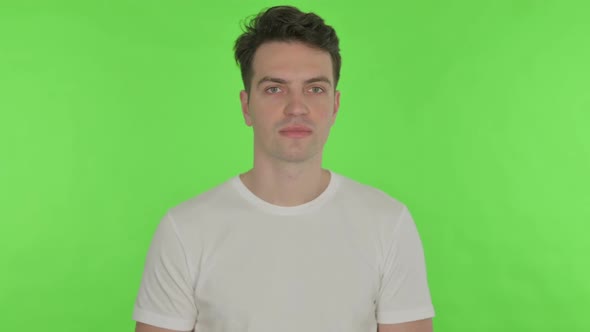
(282, 81)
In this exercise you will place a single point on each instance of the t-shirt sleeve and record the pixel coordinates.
(404, 295)
(166, 296)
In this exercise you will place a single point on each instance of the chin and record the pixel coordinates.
(297, 157)
(294, 159)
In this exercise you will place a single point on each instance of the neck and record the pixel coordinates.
(286, 185)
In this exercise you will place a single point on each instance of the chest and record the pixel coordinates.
(299, 279)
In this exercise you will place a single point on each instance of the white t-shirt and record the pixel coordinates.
(228, 261)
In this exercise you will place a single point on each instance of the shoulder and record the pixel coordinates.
(370, 208)
(199, 207)
(364, 196)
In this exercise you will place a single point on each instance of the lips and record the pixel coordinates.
(295, 131)
(296, 128)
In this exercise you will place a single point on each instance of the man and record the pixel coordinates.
(288, 245)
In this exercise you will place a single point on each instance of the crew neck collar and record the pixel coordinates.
(287, 210)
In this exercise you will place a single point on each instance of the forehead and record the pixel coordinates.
(291, 60)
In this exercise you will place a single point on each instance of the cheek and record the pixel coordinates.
(268, 106)
(324, 108)
(264, 117)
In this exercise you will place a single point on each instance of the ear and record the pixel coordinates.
(336, 105)
(245, 109)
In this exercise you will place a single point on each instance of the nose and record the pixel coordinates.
(296, 105)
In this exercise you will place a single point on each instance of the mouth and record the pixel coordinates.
(295, 134)
(295, 131)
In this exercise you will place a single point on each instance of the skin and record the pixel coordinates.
(423, 325)
(287, 171)
(141, 327)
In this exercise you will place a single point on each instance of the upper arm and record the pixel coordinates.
(141, 327)
(166, 294)
(404, 295)
(423, 325)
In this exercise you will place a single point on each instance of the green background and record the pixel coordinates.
(476, 114)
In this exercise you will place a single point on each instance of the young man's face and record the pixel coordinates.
(292, 85)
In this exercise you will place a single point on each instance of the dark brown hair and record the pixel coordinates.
(285, 23)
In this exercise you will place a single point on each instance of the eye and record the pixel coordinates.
(273, 89)
(317, 89)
